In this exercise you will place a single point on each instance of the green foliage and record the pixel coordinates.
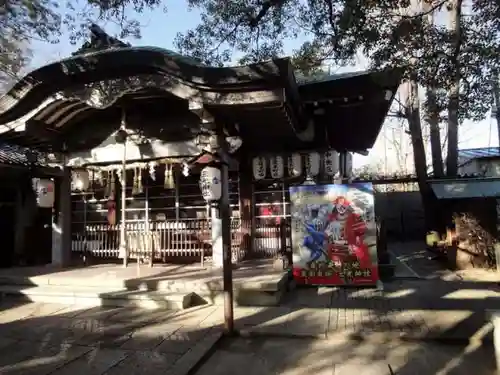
(14, 56)
(386, 31)
(25, 19)
(22, 21)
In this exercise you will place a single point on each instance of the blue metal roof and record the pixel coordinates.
(466, 188)
(468, 154)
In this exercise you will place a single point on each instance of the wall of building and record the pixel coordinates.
(485, 167)
(403, 214)
(471, 167)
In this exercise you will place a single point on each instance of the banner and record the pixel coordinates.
(334, 234)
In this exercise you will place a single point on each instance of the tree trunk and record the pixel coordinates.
(412, 108)
(435, 134)
(496, 97)
(432, 115)
(454, 91)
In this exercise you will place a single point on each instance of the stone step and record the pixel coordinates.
(264, 283)
(92, 296)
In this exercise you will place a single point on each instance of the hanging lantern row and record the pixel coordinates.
(107, 176)
(311, 163)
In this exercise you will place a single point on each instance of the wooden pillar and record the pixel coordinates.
(25, 211)
(245, 197)
(61, 228)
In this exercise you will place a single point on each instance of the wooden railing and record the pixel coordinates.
(267, 242)
(187, 237)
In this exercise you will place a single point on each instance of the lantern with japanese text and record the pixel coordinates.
(295, 165)
(210, 184)
(276, 166)
(348, 164)
(259, 167)
(312, 162)
(331, 162)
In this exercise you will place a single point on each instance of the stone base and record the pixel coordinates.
(280, 264)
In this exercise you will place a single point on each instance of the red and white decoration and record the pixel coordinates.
(331, 162)
(44, 190)
(312, 162)
(295, 165)
(276, 166)
(259, 167)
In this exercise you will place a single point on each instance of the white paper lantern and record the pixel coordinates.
(210, 184)
(348, 164)
(259, 167)
(44, 190)
(295, 165)
(276, 166)
(331, 162)
(312, 164)
(80, 180)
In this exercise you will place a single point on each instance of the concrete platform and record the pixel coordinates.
(256, 283)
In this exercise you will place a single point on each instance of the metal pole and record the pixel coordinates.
(225, 214)
(123, 233)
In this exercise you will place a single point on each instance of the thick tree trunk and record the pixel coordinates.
(454, 91)
(412, 107)
(496, 97)
(435, 134)
(432, 114)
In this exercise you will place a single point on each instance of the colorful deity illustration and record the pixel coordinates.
(332, 238)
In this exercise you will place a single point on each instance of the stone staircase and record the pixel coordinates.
(181, 289)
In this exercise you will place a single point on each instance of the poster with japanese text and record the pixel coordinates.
(334, 234)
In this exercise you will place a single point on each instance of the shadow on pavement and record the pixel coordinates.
(359, 328)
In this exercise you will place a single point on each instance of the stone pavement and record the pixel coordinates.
(285, 356)
(411, 310)
(414, 261)
(47, 339)
(52, 339)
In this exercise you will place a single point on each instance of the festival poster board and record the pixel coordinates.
(334, 234)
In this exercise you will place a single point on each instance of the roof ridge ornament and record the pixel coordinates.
(99, 40)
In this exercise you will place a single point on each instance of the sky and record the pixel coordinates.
(159, 29)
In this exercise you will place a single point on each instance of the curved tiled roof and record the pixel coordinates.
(264, 100)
